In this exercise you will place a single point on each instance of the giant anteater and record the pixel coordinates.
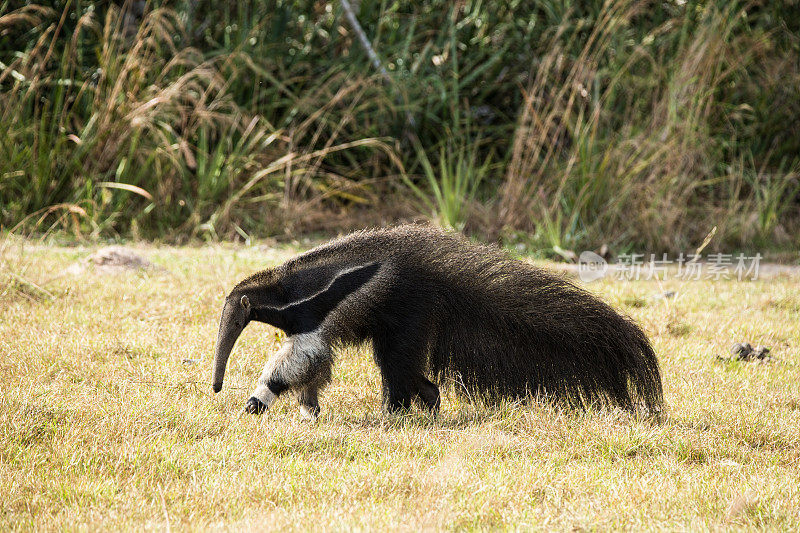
(436, 307)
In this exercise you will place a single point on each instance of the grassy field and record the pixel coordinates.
(108, 419)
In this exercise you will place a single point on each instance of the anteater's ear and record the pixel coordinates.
(245, 301)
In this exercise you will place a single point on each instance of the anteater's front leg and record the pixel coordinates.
(303, 361)
(308, 395)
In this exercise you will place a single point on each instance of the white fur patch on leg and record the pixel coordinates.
(264, 395)
(306, 348)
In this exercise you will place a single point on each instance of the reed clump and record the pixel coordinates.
(545, 125)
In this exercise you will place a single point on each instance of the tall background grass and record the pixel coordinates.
(546, 123)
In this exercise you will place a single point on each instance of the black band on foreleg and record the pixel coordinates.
(277, 385)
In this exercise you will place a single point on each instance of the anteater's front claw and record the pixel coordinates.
(254, 406)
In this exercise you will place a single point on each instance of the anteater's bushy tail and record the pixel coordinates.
(520, 331)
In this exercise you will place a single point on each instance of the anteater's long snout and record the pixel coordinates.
(229, 332)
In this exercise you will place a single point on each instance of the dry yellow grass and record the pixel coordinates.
(104, 426)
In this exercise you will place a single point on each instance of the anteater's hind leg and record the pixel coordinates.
(428, 394)
(402, 361)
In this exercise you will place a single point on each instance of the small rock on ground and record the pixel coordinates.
(112, 259)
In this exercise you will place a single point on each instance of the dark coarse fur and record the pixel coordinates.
(438, 307)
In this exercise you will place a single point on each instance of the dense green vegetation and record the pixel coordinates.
(553, 123)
